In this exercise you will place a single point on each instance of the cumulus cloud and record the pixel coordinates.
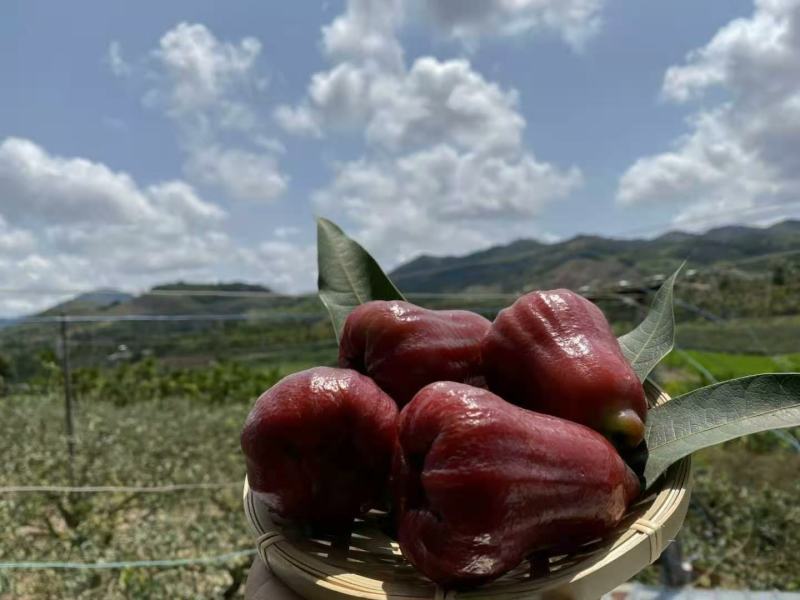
(575, 21)
(298, 120)
(742, 153)
(211, 89)
(31, 179)
(15, 242)
(116, 62)
(362, 47)
(364, 34)
(69, 222)
(449, 183)
(243, 175)
(441, 199)
(203, 73)
(290, 266)
(444, 167)
(444, 102)
(433, 101)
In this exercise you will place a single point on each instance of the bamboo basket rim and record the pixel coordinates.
(369, 565)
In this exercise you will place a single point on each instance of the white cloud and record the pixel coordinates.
(39, 187)
(743, 153)
(290, 266)
(211, 88)
(431, 102)
(15, 242)
(116, 62)
(441, 199)
(450, 183)
(75, 223)
(364, 35)
(755, 58)
(443, 102)
(286, 232)
(574, 20)
(180, 200)
(273, 144)
(444, 167)
(36, 184)
(298, 120)
(341, 97)
(435, 101)
(243, 175)
(362, 46)
(203, 72)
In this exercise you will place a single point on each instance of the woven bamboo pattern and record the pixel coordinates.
(367, 562)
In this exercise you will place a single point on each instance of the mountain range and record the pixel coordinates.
(588, 260)
(584, 260)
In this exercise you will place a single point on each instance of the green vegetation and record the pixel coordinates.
(219, 383)
(743, 526)
(147, 443)
(181, 425)
(765, 335)
(685, 370)
(731, 253)
(140, 423)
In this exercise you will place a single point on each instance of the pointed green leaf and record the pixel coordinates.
(718, 413)
(652, 340)
(348, 275)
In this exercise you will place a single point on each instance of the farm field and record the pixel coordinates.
(743, 528)
(174, 441)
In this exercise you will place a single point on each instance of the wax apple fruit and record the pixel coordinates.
(554, 352)
(480, 483)
(318, 445)
(404, 347)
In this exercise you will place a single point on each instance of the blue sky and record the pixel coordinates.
(197, 139)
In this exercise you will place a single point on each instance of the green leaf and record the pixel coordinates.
(718, 413)
(348, 275)
(652, 340)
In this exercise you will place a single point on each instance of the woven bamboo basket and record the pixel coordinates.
(368, 564)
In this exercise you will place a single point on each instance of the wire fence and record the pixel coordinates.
(118, 489)
(129, 564)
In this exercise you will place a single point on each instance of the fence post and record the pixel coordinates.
(67, 374)
(675, 572)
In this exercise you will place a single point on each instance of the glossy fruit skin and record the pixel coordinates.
(554, 352)
(404, 347)
(479, 484)
(318, 445)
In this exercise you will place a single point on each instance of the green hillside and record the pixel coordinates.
(598, 262)
(177, 324)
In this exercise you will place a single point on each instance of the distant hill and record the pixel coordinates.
(236, 286)
(218, 322)
(168, 299)
(597, 261)
(97, 299)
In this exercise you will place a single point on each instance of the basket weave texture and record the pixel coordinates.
(368, 564)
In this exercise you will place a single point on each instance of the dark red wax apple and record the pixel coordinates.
(479, 484)
(404, 347)
(554, 352)
(318, 445)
